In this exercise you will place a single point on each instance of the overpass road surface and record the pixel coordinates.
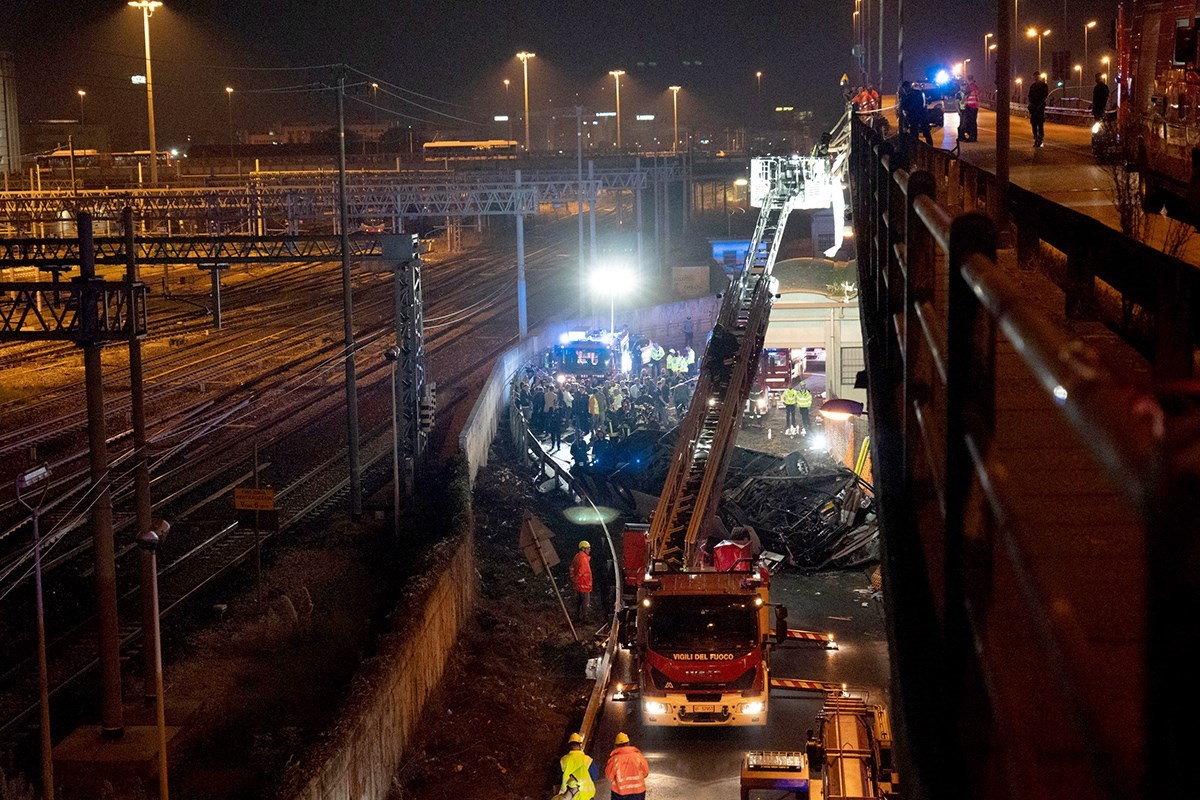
(1062, 170)
(705, 763)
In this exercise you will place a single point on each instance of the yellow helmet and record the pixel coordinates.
(584, 543)
(622, 738)
(575, 739)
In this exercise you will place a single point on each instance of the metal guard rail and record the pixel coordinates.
(1147, 444)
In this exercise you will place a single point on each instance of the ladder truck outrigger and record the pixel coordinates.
(703, 636)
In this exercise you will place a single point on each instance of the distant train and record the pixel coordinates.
(470, 151)
(59, 162)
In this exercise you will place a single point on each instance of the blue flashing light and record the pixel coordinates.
(942, 77)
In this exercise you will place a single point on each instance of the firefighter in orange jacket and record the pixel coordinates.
(627, 770)
(581, 580)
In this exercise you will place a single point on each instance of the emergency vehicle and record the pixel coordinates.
(1158, 94)
(593, 353)
(701, 627)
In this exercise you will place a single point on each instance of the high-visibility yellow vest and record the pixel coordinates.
(789, 396)
(803, 398)
(576, 772)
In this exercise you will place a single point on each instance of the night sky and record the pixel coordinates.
(460, 52)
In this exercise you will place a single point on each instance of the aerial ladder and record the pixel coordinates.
(702, 635)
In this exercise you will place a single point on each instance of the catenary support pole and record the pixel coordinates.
(112, 722)
(637, 210)
(141, 463)
(595, 192)
(1003, 63)
(579, 196)
(348, 308)
(522, 309)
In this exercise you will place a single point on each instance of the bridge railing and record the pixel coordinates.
(1149, 297)
(996, 669)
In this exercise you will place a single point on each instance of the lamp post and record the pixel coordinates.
(375, 116)
(617, 73)
(1091, 24)
(149, 541)
(229, 96)
(25, 482)
(965, 71)
(1018, 82)
(524, 56)
(613, 281)
(82, 94)
(758, 80)
(986, 48)
(991, 47)
(675, 116)
(1034, 33)
(1079, 70)
(147, 7)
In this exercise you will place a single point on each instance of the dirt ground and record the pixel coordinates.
(515, 686)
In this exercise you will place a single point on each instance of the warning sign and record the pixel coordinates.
(536, 545)
(251, 499)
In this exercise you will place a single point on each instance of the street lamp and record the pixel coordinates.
(149, 541)
(966, 61)
(613, 281)
(617, 73)
(758, 78)
(229, 96)
(1034, 33)
(25, 482)
(375, 117)
(986, 48)
(675, 116)
(147, 7)
(524, 56)
(1018, 82)
(1079, 69)
(82, 94)
(1086, 28)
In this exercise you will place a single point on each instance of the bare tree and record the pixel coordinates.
(1177, 237)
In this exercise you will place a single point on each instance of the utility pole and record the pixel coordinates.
(112, 720)
(579, 204)
(1003, 63)
(141, 475)
(348, 307)
(522, 309)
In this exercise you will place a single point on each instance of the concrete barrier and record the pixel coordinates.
(360, 756)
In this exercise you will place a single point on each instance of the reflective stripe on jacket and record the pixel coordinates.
(803, 398)
(789, 396)
(627, 770)
(576, 770)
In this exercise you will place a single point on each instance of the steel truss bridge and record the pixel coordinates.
(276, 202)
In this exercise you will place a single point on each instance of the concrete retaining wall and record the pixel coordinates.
(361, 755)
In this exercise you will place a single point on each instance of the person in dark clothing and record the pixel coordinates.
(579, 450)
(1099, 97)
(554, 426)
(1038, 92)
(912, 106)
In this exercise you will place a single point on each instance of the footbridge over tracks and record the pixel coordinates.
(1037, 457)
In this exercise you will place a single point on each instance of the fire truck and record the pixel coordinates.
(702, 635)
(1158, 92)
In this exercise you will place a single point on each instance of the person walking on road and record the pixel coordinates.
(580, 573)
(577, 780)
(1099, 97)
(626, 770)
(1038, 92)
(968, 130)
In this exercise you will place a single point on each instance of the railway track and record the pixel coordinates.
(203, 550)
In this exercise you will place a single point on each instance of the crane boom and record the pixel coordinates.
(709, 429)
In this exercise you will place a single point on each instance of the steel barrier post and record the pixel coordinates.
(920, 274)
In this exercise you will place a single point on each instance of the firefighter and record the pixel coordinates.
(581, 580)
(576, 771)
(804, 400)
(627, 770)
(968, 130)
(790, 396)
